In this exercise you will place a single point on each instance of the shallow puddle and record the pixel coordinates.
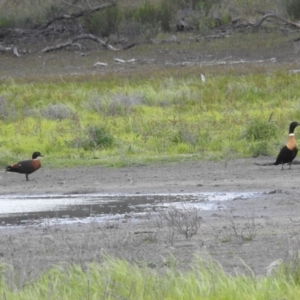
(64, 209)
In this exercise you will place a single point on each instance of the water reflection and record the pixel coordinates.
(40, 209)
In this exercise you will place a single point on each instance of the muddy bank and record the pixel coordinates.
(234, 175)
(253, 231)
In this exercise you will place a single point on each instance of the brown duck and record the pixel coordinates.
(26, 166)
(288, 152)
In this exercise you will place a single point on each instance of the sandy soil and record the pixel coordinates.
(252, 233)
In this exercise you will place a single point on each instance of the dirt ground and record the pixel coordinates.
(248, 235)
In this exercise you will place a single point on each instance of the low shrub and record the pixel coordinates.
(155, 16)
(259, 130)
(104, 22)
(260, 148)
(94, 138)
(56, 112)
(117, 105)
(100, 137)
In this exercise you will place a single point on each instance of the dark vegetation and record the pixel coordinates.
(125, 24)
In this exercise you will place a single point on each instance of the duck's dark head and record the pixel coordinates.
(36, 155)
(293, 125)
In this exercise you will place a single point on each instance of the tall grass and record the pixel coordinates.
(117, 279)
(170, 115)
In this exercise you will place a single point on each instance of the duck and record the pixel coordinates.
(288, 152)
(26, 166)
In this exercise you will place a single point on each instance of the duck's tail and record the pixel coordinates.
(11, 168)
(295, 162)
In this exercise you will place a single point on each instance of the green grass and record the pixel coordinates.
(117, 279)
(117, 121)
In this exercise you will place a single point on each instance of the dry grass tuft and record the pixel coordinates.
(57, 112)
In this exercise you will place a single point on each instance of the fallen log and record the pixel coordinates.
(268, 16)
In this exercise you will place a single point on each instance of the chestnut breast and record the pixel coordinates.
(291, 144)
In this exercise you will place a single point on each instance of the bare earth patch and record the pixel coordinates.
(248, 235)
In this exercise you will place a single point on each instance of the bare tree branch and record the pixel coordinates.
(5, 49)
(259, 22)
(71, 42)
(88, 3)
(14, 50)
(76, 15)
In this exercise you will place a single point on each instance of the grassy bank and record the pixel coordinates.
(115, 120)
(117, 279)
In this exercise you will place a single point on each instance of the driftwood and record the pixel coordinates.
(122, 61)
(268, 16)
(14, 50)
(71, 42)
(224, 61)
(172, 39)
(242, 23)
(102, 64)
(5, 49)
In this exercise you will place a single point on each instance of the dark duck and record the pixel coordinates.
(26, 166)
(288, 152)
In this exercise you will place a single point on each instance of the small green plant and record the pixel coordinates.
(259, 130)
(6, 23)
(153, 17)
(105, 22)
(94, 138)
(166, 15)
(260, 148)
(291, 269)
(146, 13)
(99, 137)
